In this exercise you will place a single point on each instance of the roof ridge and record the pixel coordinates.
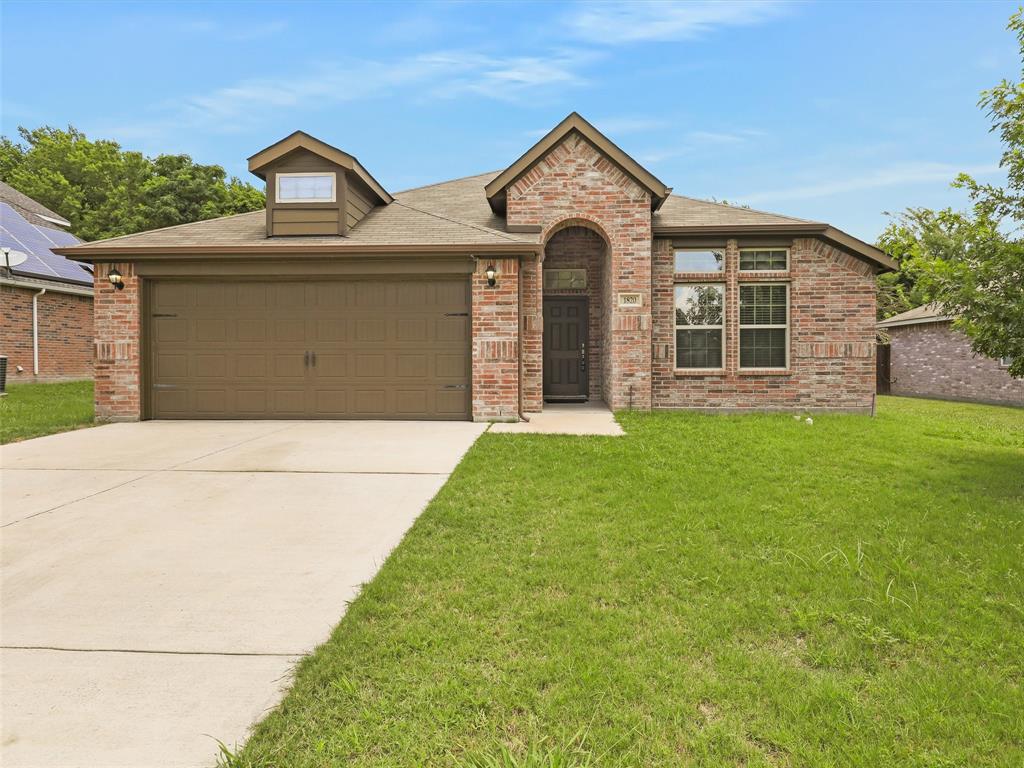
(745, 208)
(449, 181)
(486, 230)
(172, 226)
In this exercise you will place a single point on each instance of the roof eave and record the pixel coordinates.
(180, 253)
(849, 243)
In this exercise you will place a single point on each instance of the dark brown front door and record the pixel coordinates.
(565, 348)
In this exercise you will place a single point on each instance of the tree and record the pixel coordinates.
(971, 263)
(105, 191)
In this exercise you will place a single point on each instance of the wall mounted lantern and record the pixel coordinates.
(491, 274)
(115, 279)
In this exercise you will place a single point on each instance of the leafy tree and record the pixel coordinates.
(971, 263)
(105, 191)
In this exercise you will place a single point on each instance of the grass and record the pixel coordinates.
(33, 410)
(708, 590)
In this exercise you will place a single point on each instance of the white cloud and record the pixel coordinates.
(651, 21)
(701, 141)
(892, 176)
(437, 75)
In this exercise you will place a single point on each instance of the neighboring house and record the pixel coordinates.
(572, 274)
(46, 300)
(930, 358)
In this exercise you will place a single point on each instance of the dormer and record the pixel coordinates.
(314, 188)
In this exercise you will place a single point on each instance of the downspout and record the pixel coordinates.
(35, 332)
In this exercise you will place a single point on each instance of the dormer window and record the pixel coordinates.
(306, 188)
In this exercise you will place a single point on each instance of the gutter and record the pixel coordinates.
(35, 332)
(295, 250)
(72, 290)
(836, 237)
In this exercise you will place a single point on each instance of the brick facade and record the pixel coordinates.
(495, 323)
(65, 334)
(575, 185)
(831, 349)
(588, 213)
(935, 360)
(117, 345)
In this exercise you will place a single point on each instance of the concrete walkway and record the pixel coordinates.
(160, 580)
(590, 418)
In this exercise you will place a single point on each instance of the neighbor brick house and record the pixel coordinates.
(930, 358)
(572, 274)
(45, 299)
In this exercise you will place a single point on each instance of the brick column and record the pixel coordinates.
(118, 359)
(496, 342)
(531, 297)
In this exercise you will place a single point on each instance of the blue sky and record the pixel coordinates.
(825, 110)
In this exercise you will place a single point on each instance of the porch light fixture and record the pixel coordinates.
(115, 279)
(491, 274)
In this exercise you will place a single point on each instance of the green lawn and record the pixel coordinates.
(707, 591)
(32, 410)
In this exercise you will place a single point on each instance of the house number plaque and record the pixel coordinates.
(630, 300)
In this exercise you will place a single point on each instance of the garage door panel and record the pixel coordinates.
(331, 401)
(251, 366)
(383, 349)
(172, 366)
(170, 329)
(289, 365)
(251, 330)
(210, 366)
(251, 402)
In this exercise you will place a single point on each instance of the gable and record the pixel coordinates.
(496, 190)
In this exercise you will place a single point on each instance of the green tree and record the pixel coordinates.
(106, 191)
(971, 263)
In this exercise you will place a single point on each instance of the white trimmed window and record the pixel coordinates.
(764, 259)
(1005, 362)
(306, 188)
(700, 325)
(764, 325)
(699, 260)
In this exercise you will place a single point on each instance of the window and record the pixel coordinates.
(305, 188)
(700, 326)
(774, 259)
(764, 331)
(699, 260)
(565, 279)
(1005, 362)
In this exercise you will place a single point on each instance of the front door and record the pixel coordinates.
(565, 348)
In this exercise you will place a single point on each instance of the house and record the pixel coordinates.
(45, 298)
(572, 274)
(928, 357)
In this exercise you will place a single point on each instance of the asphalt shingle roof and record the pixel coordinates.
(449, 213)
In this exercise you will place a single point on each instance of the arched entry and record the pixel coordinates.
(575, 317)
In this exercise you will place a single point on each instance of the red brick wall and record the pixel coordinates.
(832, 347)
(118, 348)
(531, 357)
(65, 334)
(934, 360)
(496, 342)
(576, 185)
(580, 248)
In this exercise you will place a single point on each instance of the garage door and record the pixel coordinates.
(395, 349)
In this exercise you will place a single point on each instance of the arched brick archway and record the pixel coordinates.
(579, 244)
(575, 185)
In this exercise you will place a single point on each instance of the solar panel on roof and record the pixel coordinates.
(18, 234)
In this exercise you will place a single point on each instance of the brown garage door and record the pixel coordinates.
(396, 349)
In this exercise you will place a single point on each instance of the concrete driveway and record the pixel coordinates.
(160, 580)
